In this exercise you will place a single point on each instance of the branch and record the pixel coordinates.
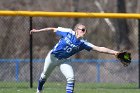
(106, 19)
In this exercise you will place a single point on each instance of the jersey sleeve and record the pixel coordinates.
(62, 32)
(87, 46)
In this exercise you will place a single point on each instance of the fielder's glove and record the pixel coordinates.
(124, 57)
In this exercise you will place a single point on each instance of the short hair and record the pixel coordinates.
(77, 25)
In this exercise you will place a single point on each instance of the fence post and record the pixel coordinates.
(17, 69)
(31, 54)
(98, 72)
(139, 48)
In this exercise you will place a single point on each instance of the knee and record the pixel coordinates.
(43, 76)
(70, 79)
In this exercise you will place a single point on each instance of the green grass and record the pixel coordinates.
(23, 87)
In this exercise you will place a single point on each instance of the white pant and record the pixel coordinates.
(51, 62)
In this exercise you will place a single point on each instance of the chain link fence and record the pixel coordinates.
(89, 67)
(14, 45)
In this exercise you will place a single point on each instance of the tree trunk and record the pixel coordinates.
(122, 33)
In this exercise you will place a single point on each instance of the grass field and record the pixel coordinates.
(23, 87)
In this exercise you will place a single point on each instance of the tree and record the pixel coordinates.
(122, 33)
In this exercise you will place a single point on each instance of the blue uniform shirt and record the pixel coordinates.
(68, 45)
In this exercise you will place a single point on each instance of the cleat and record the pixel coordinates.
(38, 91)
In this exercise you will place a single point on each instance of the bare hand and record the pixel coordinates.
(33, 30)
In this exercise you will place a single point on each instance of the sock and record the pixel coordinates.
(40, 84)
(70, 88)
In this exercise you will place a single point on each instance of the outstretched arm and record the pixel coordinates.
(105, 50)
(44, 29)
(123, 57)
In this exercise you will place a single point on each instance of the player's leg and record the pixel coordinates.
(48, 68)
(67, 71)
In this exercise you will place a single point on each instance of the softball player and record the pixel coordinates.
(71, 42)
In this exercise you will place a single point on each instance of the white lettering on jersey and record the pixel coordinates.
(71, 45)
(69, 42)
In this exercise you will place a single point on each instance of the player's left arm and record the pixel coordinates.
(105, 50)
(124, 57)
(89, 46)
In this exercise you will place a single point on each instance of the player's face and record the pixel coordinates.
(81, 31)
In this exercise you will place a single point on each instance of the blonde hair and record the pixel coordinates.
(77, 25)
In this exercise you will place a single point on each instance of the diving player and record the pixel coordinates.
(71, 42)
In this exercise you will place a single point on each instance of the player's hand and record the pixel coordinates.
(33, 30)
(124, 57)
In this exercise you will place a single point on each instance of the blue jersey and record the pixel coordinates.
(68, 45)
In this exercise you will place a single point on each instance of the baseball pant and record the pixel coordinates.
(51, 62)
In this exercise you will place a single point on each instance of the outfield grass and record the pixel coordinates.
(23, 87)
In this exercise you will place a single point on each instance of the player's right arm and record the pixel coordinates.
(44, 29)
(60, 31)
